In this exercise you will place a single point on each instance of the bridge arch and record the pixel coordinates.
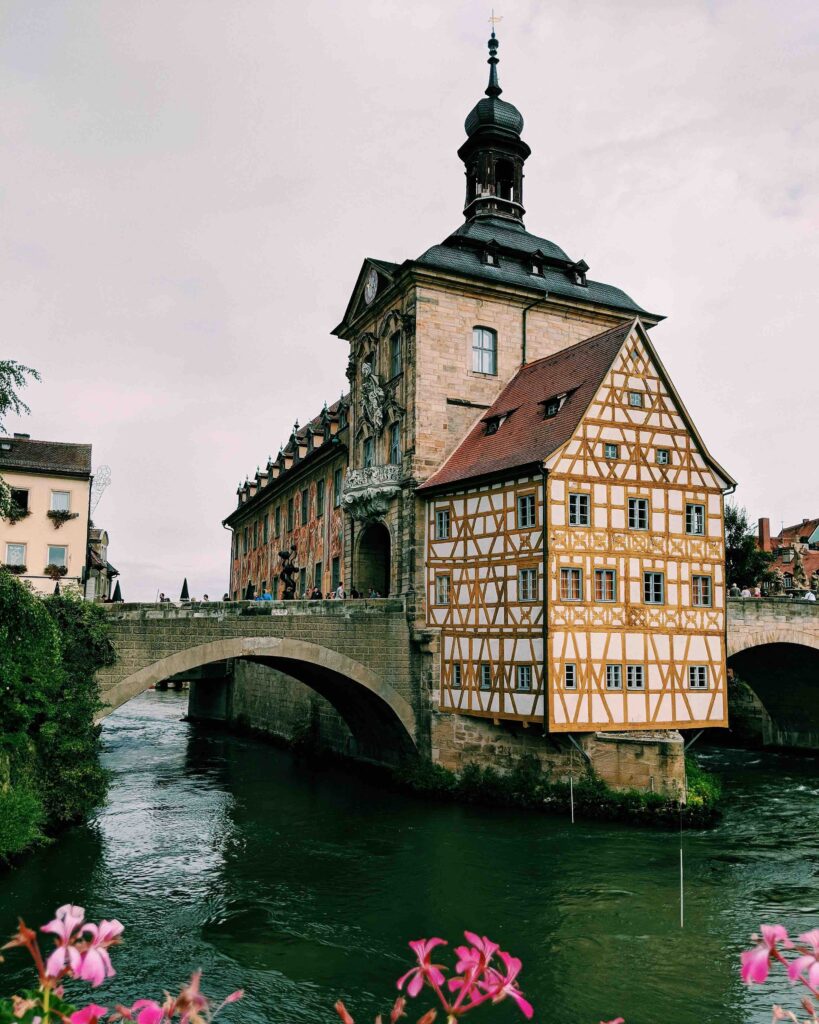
(381, 720)
(743, 639)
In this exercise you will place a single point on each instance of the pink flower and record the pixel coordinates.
(67, 919)
(341, 1010)
(425, 970)
(147, 1011)
(89, 1015)
(499, 986)
(617, 1020)
(475, 956)
(808, 963)
(756, 961)
(96, 962)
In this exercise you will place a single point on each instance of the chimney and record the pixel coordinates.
(23, 437)
(764, 540)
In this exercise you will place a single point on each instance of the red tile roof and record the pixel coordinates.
(526, 437)
(797, 534)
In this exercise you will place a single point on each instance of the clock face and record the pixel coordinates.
(370, 286)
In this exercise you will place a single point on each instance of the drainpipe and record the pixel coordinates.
(544, 624)
(523, 332)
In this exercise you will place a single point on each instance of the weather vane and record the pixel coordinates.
(493, 21)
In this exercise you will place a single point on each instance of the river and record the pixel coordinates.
(304, 885)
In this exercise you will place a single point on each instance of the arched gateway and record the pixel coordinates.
(357, 655)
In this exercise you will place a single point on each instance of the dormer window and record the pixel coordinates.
(490, 258)
(580, 278)
(536, 266)
(577, 273)
(553, 405)
(494, 423)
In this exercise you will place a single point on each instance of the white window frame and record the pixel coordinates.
(611, 450)
(442, 524)
(457, 675)
(527, 584)
(570, 676)
(663, 456)
(635, 400)
(614, 677)
(57, 508)
(579, 509)
(16, 544)
(443, 589)
(638, 512)
(485, 351)
(486, 676)
(523, 503)
(702, 586)
(697, 677)
(635, 677)
(55, 547)
(523, 678)
(604, 574)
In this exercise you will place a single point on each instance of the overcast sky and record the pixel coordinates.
(189, 187)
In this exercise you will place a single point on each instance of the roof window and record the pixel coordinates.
(553, 405)
(494, 423)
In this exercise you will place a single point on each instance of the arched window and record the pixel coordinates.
(505, 179)
(484, 350)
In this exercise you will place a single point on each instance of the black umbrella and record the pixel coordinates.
(184, 596)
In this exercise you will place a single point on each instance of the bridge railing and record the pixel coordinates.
(235, 609)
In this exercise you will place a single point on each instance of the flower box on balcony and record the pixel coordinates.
(17, 570)
(58, 517)
(55, 571)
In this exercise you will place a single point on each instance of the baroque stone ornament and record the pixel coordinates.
(367, 491)
(372, 398)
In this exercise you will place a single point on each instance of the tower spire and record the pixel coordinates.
(493, 89)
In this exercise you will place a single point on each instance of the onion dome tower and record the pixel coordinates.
(494, 152)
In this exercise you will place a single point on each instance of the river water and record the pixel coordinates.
(304, 885)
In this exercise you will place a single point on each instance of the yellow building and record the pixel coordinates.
(45, 539)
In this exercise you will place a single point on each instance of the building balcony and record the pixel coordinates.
(368, 491)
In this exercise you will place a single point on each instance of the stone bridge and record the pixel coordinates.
(361, 656)
(773, 650)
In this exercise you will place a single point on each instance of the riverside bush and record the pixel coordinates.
(50, 773)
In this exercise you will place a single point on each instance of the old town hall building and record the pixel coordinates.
(512, 457)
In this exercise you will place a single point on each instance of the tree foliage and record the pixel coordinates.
(745, 564)
(50, 772)
(13, 377)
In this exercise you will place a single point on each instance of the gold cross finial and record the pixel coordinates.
(493, 21)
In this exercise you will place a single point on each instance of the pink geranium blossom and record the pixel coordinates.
(96, 961)
(67, 919)
(500, 985)
(147, 1011)
(425, 970)
(756, 962)
(806, 967)
(89, 1015)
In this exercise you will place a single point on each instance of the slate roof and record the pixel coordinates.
(55, 457)
(526, 438)
(462, 252)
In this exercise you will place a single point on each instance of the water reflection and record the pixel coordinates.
(304, 885)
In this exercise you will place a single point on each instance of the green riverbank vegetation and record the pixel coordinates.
(50, 773)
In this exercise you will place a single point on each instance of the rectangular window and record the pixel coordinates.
(486, 675)
(335, 573)
(571, 584)
(484, 350)
(319, 499)
(337, 485)
(663, 456)
(367, 452)
(635, 677)
(15, 554)
(19, 500)
(612, 451)
(395, 354)
(57, 554)
(653, 588)
(579, 510)
(605, 582)
(265, 529)
(302, 583)
(277, 518)
(61, 501)
(305, 506)
(291, 514)
(698, 677)
(395, 444)
(317, 575)
(256, 534)
(527, 584)
(614, 677)
(638, 513)
(442, 524)
(695, 520)
(442, 589)
(635, 399)
(456, 676)
(524, 678)
(701, 591)
(570, 676)
(526, 511)
(552, 408)
(245, 541)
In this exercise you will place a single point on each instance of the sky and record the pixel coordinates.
(189, 187)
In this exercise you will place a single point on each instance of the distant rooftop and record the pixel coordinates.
(21, 452)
